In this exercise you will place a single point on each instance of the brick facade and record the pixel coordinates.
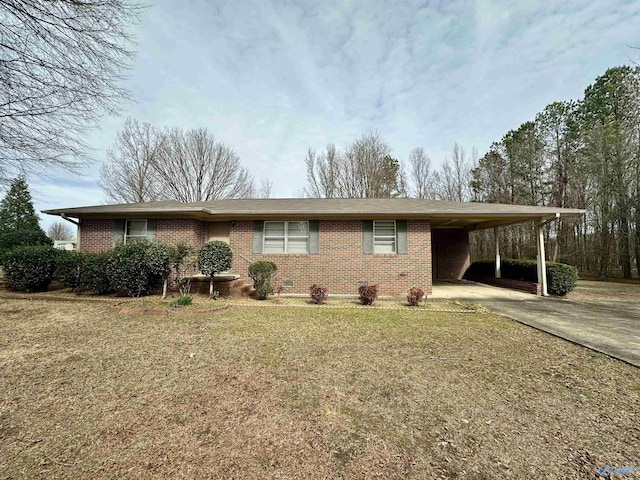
(96, 235)
(452, 255)
(189, 231)
(339, 265)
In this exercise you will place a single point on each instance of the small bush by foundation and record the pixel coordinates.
(414, 297)
(261, 272)
(318, 294)
(368, 294)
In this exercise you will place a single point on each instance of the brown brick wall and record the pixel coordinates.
(189, 231)
(451, 252)
(96, 235)
(530, 287)
(340, 265)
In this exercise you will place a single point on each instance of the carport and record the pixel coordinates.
(450, 235)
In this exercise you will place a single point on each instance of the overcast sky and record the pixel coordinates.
(274, 78)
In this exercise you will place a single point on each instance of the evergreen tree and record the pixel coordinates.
(19, 224)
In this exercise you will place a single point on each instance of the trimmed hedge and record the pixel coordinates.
(30, 268)
(95, 275)
(134, 269)
(129, 271)
(69, 269)
(561, 278)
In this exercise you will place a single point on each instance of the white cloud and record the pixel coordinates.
(273, 78)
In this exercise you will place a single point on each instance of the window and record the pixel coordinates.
(286, 237)
(135, 230)
(384, 236)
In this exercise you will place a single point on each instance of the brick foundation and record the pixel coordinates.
(529, 287)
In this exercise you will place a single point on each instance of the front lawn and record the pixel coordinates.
(269, 392)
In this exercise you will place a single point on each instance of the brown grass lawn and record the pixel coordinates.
(88, 392)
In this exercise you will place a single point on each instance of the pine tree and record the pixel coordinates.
(19, 224)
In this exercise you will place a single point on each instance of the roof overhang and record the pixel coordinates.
(442, 214)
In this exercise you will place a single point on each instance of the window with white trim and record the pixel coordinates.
(135, 230)
(286, 237)
(384, 236)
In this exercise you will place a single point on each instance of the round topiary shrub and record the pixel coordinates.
(158, 259)
(214, 257)
(30, 268)
(261, 272)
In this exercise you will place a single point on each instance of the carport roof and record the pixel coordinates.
(445, 214)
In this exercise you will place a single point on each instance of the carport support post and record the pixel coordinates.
(498, 268)
(542, 264)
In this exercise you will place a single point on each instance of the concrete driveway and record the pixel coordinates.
(602, 316)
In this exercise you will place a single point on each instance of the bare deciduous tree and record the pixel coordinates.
(192, 166)
(130, 175)
(420, 174)
(453, 180)
(266, 189)
(60, 231)
(365, 169)
(60, 64)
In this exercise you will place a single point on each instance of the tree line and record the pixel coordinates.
(582, 153)
(60, 67)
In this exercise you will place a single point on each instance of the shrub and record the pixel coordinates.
(158, 258)
(415, 296)
(179, 257)
(318, 294)
(261, 272)
(182, 301)
(94, 275)
(214, 257)
(30, 268)
(368, 294)
(129, 271)
(69, 266)
(561, 278)
(480, 268)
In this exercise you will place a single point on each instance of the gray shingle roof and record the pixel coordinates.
(442, 212)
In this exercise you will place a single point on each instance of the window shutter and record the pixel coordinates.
(314, 246)
(401, 236)
(118, 233)
(367, 237)
(258, 229)
(152, 226)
